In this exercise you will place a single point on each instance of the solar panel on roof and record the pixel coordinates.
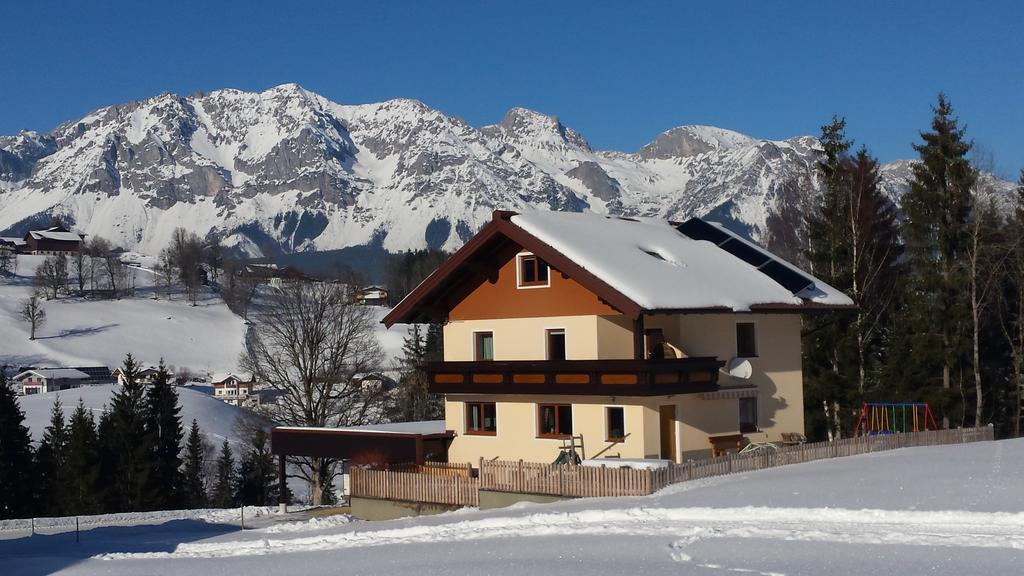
(700, 230)
(745, 252)
(765, 262)
(789, 278)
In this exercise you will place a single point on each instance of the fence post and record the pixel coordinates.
(76, 529)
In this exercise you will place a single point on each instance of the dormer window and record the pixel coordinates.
(533, 271)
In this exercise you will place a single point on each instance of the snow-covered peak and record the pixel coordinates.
(685, 141)
(529, 128)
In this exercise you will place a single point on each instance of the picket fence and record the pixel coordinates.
(454, 484)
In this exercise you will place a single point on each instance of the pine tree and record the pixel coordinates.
(127, 449)
(936, 209)
(223, 489)
(257, 484)
(80, 482)
(164, 432)
(414, 401)
(17, 469)
(825, 382)
(51, 461)
(194, 482)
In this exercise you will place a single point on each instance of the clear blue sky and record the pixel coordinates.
(620, 72)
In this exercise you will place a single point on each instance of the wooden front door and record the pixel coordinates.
(668, 431)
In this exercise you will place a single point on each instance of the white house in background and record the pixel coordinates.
(234, 389)
(38, 381)
(146, 375)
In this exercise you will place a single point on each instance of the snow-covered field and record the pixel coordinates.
(216, 419)
(947, 510)
(83, 332)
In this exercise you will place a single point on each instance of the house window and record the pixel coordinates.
(615, 420)
(555, 420)
(556, 344)
(746, 340)
(533, 272)
(483, 346)
(481, 418)
(748, 415)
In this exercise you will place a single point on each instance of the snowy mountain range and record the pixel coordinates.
(289, 169)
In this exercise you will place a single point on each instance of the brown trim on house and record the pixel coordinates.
(555, 407)
(577, 377)
(415, 306)
(473, 432)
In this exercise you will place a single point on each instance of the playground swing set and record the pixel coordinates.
(880, 418)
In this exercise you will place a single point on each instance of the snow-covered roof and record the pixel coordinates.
(12, 241)
(55, 373)
(54, 235)
(656, 265)
(635, 265)
(219, 377)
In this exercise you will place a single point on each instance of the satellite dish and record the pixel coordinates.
(740, 368)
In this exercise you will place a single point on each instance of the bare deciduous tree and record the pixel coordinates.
(80, 267)
(52, 274)
(32, 312)
(311, 347)
(186, 253)
(8, 261)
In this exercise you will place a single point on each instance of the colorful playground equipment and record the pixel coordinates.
(878, 418)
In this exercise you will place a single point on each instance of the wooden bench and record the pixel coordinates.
(724, 443)
(793, 438)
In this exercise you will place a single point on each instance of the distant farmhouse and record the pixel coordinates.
(275, 276)
(234, 389)
(42, 380)
(145, 376)
(54, 240)
(372, 296)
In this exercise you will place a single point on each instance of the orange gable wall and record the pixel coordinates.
(502, 299)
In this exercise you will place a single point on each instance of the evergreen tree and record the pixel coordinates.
(257, 483)
(853, 244)
(194, 482)
(164, 432)
(17, 469)
(51, 461)
(413, 400)
(936, 210)
(223, 488)
(127, 450)
(80, 483)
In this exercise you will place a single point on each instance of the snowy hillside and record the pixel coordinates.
(84, 332)
(940, 511)
(216, 418)
(293, 170)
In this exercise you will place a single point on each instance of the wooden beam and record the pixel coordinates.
(638, 338)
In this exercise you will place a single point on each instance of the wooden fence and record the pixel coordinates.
(562, 480)
(453, 484)
(760, 460)
(415, 487)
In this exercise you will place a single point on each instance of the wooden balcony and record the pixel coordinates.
(577, 377)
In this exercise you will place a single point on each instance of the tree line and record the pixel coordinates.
(135, 457)
(938, 280)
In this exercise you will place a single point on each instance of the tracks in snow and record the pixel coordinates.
(687, 525)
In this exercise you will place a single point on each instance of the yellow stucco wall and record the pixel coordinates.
(516, 436)
(776, 373)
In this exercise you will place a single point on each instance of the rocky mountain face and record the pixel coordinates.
(291, 170)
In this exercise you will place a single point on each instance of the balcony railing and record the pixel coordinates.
(577, 377)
